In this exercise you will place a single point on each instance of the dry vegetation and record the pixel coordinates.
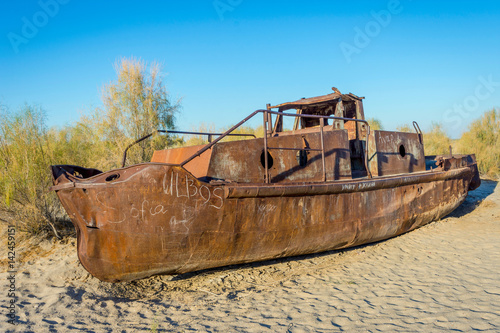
(405, 128)
(483, 139)
(194, 140)
(375, 124)
(26, 151)
(135, 105)
(436, 141)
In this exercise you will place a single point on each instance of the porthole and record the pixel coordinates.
(269, 160)
(112, 177)
(402, 151)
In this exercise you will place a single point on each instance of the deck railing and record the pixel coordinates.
(208, 134)
(266, 121)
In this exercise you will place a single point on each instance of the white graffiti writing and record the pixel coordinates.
(348, 187)
(101, 202)
(363, 186)
(174, 186)
(147, 208)
(387, 139)
(266, 209)
(188, 215)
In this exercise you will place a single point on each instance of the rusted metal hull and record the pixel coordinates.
(330, 183)
(157, 218)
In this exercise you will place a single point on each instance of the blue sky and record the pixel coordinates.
(412, 60)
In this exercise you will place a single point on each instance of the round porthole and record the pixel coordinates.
(402, 151)
(269, 160)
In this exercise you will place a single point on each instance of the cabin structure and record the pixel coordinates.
(315, 149)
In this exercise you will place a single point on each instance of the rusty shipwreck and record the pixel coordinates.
(328, 183)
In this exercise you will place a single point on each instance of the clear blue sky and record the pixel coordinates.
(429, 61)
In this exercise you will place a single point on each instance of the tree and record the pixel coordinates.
(135, 105)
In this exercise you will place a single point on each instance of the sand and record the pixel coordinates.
(442, 277)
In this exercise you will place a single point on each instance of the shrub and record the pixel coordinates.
(257, 132)
(195, 140)
(405, 128)
(436, 141)
(483, 139)
(375, 124)
(135, 105)
(25, 156)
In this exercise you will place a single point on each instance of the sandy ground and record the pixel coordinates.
(442, 277)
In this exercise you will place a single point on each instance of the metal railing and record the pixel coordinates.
(210, 135)
(419, 132)
(266, 120)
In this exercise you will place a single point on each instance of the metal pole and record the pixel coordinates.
(265, 147)
(322, 123)
(210, 145)
(367, 165)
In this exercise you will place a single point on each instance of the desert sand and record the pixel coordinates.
(442, 277)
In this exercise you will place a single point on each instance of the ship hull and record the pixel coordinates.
(156, 218)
